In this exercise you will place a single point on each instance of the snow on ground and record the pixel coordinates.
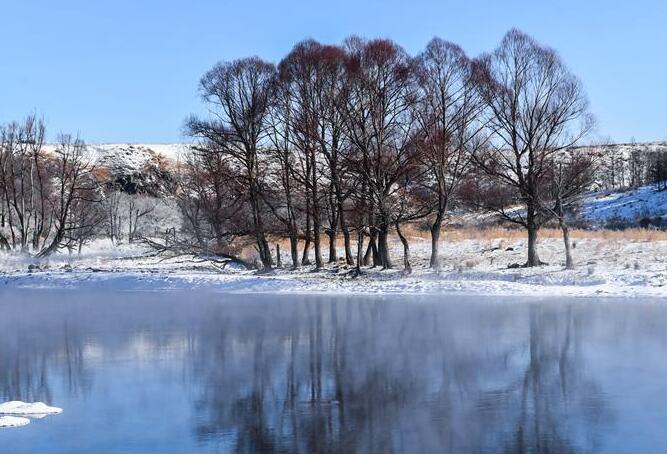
(605, 267)
(617, 267)
(13, 421)
(631, 205)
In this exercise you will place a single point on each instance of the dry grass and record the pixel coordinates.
(492, 233)
(486, 235)
(642, 235)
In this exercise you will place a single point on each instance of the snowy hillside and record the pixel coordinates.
(135, 167)
(130, 155)
(645, 204)
(626, 149)
(167, 151)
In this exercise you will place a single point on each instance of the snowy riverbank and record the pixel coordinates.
(605, 267)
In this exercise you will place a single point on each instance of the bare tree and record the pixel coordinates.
(34, 135)
(637, 170)
(658, 170)
(380, 123)
(213, 205)
(314, 74)
(286, 207)
(138, 207)
(238, 94)
(411, 203)
(536, 108)
(332, 93)
(88, 217)
(572, 175)
(449, 128)
(23, 183)
(75, 183)
(46, 195)
(112, 204)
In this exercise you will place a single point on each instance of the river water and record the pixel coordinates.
(188, 372)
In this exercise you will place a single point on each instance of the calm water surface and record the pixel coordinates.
(172, 372)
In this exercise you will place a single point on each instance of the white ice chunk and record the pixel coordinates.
(16, 407)
(13, 421)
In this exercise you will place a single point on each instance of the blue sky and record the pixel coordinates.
(127, 71)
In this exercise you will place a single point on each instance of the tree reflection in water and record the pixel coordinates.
(360, 376)
(29, 357)
(340, 374)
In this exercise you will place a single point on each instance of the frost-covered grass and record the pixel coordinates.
(607, 263)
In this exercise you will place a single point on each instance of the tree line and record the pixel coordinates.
(643, 164)
(44, 197)
(350, 142)
(359, 139)
(55, 196)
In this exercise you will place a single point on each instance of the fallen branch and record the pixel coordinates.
(183, 248)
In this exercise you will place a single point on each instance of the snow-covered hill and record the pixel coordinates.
(626, 149)
(169, 151)
(130, 155)
(135, 167)
(641, 206)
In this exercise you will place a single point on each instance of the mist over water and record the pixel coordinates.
(197, 372)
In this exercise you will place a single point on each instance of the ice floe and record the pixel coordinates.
(13, 421)
(35, 409)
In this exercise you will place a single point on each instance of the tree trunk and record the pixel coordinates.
(532, 227)
(317, 221)
(360, 248)
(383, 247)
(264, 250)
(53, 246)
(435, 243)
(407, 269)
(267, 261)
(333, 256)
(262, 244)
(4, 244)
(317, 243)
(35, 239)
(305, 259)
(569, 263)
(279, 262)
(372, 249)
(349, 259)
(294, 250)
(533, 258)
(332, 231)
